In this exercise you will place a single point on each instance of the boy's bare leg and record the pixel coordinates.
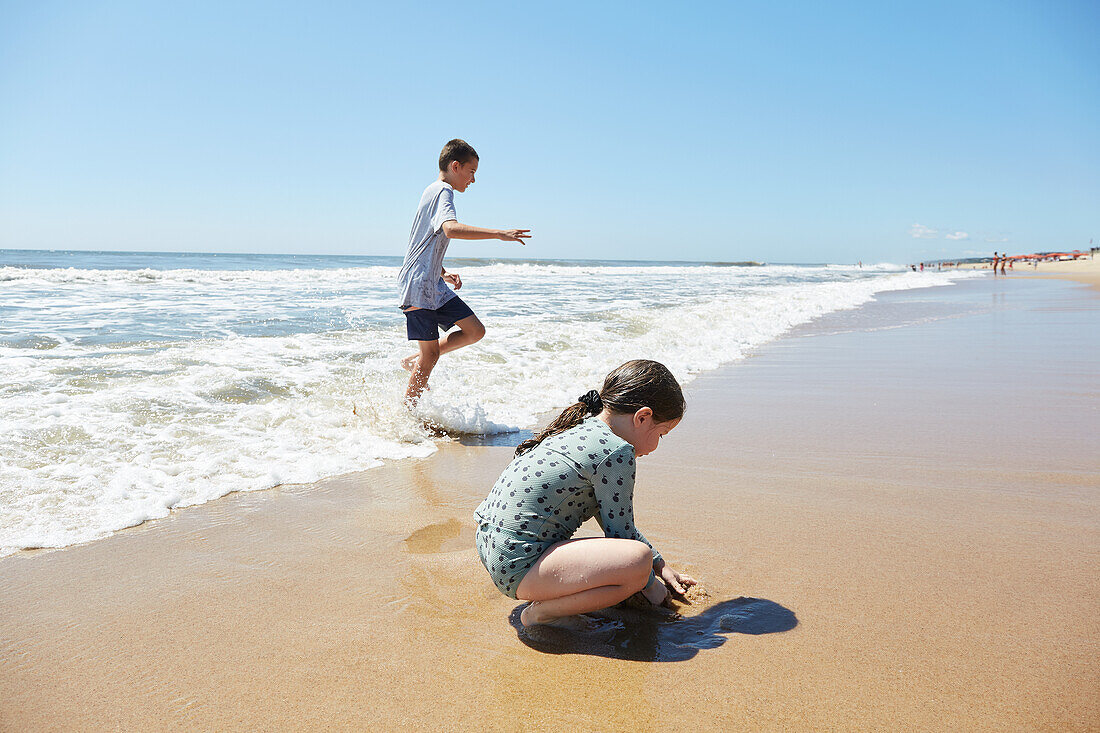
(470, 332)
(578, 576)
(425, 362)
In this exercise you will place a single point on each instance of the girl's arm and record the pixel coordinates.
(613, 481)
(614, 487)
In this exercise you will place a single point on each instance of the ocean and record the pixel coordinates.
(137, 383)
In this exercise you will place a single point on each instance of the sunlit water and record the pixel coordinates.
(135, 383)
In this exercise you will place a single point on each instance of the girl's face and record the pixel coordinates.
(643, 432)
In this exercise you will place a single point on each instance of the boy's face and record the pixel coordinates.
(463, 174)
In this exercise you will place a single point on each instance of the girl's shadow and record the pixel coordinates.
(642, 637)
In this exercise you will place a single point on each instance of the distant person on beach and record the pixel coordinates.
(1004, 261)
(425, 298)
(996, 259)
(582, 466)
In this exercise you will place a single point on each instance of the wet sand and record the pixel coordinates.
(895, 511)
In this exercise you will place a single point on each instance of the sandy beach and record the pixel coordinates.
(895, 512)
(1085, 270)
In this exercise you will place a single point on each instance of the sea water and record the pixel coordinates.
(134, 383)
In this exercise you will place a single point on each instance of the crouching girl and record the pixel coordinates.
(582, 466)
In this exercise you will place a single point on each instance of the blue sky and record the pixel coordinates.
(801, 132)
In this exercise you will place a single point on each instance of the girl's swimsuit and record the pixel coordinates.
(546, 494)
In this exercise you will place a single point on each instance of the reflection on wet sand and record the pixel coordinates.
(440, 537)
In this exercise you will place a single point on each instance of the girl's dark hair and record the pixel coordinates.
(627, 389)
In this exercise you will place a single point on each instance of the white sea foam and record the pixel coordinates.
(127, 393)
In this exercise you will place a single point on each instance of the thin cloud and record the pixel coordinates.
(996, 239)
(958, 235)
(920, 231)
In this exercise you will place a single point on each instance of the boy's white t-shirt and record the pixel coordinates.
(421, 278)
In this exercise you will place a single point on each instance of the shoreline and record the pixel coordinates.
(173, 484)
(113, 425)
(921, 573)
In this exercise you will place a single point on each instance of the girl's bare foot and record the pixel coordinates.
(656, 592)
(409, 362)
(531, 615)
(639, 602)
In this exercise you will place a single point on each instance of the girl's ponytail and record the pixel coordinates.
(627, 389)
(572, 416)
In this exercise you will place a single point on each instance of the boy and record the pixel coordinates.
(425, 298)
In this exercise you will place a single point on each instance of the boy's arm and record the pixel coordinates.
(456, 230)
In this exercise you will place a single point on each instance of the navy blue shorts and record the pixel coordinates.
(424, 324)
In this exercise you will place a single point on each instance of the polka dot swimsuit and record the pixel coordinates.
(546, 494)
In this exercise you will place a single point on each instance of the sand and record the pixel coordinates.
(895, 513)
(1086, 270)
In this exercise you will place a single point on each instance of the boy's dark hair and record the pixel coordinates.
(456, 149)
(627, 389)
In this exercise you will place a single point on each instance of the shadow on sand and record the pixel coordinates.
(642, 637)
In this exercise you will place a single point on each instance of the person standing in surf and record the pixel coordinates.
(427, 301)
(582, 466)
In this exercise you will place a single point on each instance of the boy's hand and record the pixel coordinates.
(453, 279)
(514, 235)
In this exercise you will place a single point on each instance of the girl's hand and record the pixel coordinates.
(674, 580)
(453, 279)
(514, 235)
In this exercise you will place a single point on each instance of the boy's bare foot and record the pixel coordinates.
(409, 362)
(410, 403)
(433, 429)
(531, 616)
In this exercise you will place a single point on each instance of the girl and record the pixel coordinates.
(581, 466)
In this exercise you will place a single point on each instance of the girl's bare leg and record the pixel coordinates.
(578, 576)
